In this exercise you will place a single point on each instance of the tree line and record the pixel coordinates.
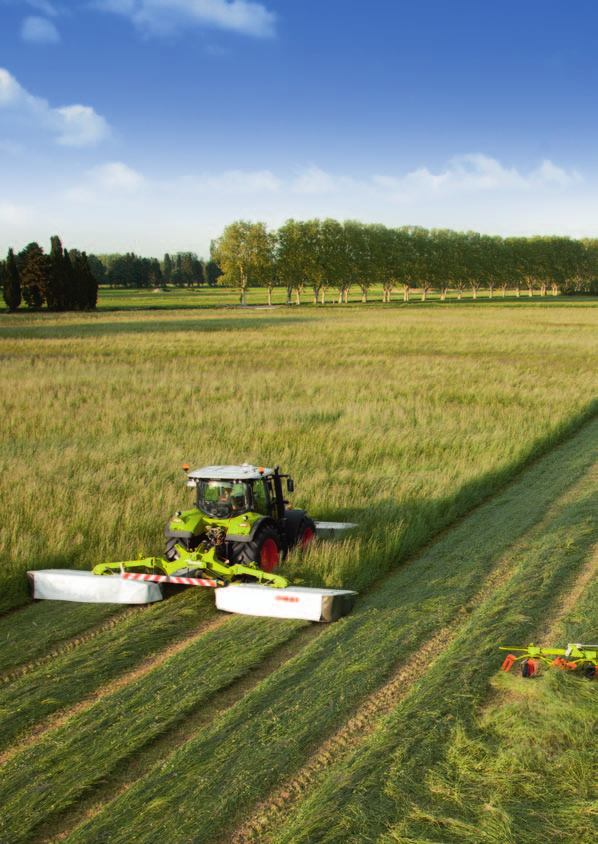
(327, 255)
(68, 280)
(182, 269)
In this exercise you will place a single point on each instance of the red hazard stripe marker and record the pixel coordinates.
(162, 578)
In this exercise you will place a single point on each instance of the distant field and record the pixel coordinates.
(218, 297)
(176, 723)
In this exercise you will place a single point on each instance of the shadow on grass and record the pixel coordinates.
(99, 328)
(392, 532)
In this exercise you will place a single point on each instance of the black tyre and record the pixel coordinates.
(189, 544)
(306, 533)
(264, 549)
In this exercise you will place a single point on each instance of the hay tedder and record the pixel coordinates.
(235, 535)
(531, 660)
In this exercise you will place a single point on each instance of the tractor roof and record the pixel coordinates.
(229, 473)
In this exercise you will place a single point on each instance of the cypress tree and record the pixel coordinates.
(11, 282)
(167, 269)
(36, 273)
(86, 286)
(55, 295)
(69, 292)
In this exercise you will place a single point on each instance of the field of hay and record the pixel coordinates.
(463, 441)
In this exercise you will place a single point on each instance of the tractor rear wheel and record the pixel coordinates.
(306, 533)
(264, 549)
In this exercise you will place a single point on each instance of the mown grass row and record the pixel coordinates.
(206, 786)
(401, 421)
(434, 771)
(47, 777)
(73, 675)
(39, 629)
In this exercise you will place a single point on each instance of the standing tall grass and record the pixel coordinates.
(400, 420)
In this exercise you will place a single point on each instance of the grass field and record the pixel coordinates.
(222, 297)
(127, 724)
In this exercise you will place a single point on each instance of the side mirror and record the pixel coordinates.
(290, 485)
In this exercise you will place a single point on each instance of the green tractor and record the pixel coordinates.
(241, 510)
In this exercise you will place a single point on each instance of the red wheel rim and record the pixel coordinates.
(269, 555)
(307, 537)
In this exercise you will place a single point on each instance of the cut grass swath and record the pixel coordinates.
(39, 629)
(71, 676)
(396, 788)
(251, 748)
(66, 762)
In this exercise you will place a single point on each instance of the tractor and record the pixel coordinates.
(241, 510)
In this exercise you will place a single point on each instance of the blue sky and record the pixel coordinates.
(149, 125)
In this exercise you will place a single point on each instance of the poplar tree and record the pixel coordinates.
(244, 251)
(167, 269)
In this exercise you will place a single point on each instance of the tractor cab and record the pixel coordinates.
(223, 492)
(223, 499)
(244, 507)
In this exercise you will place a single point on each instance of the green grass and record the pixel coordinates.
(452, 776)
(401, 421)
(77, 672)
(64, 763)
(291, 712)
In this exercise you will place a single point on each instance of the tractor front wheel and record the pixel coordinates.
(188, 544)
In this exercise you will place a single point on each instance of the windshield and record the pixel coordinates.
(223, 499)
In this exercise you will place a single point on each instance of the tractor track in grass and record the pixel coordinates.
(132, 770)
(58, 719)
(568, 600)
(270, 814)
(68, 644)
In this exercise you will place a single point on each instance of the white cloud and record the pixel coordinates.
(79, 126)
(117, 181)
(229, 183)
(116, 176)
(164, 17)
(11, 93)
(73, 125)
(237, 181)
(39, 31)
(314, 180)
(43, 6)
(547, 172)
(111, 181)
(474, 172)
